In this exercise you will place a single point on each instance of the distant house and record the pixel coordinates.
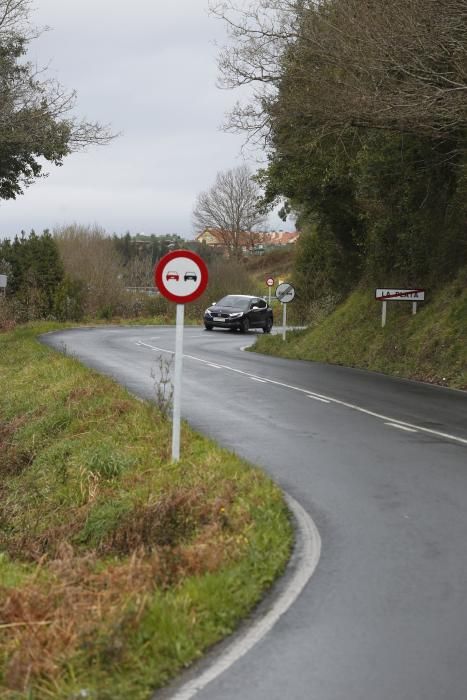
(250, 242)
(280, 238)
(213, 237)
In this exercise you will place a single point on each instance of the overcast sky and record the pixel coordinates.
(149, 68)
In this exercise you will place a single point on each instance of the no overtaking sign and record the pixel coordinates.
(180, 276)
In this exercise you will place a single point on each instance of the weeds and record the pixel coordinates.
(163, 385)
(107, 463)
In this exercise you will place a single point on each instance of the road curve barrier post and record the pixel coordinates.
(180, 276)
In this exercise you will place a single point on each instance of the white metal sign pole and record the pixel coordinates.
(177, 382)
(269, 302)
(284, 320)
(383, 314)
(414, 308)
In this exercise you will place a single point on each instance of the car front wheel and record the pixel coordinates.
(245, 325)
(208, 326)
(268, 326)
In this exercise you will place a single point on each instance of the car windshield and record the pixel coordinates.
(234, 302)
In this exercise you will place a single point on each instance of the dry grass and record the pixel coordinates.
(43, 626)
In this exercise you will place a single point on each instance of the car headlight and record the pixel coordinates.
(207, 312)
(236, 315)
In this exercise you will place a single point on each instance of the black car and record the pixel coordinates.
(239, 312)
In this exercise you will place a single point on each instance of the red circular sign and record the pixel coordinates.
(270, 281)
(181, 276)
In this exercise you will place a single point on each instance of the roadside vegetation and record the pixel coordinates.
(80, 274)
(430, 346)
(117, 567)
(366, 144)
(373, 171)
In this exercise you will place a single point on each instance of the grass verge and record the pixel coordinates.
(117, 567)
(430, 346)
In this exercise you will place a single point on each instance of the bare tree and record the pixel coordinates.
(232, 207)
(89, 255)
(139, 270)
(260, 32)
(340, 64)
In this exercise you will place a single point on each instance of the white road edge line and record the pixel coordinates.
(256, 379)
(401, 427)
(352, 406)
(307, 553)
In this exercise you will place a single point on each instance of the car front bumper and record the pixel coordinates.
(224, 322)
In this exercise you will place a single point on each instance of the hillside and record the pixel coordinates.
(431, 346)
(278, 263)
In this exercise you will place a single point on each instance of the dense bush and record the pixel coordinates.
(35, 273)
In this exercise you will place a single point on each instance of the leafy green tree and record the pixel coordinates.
(36, 272)
(405, 190)
(35, 111)
(363, 107)
(70, 300)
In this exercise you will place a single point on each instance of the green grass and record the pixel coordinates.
(430, 346)
(117, 567)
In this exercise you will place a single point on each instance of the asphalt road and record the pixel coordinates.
(380, 464)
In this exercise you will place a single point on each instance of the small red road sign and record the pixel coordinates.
(270, 281)
(181, 276)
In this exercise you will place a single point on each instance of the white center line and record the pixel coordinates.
(318, 398)
(325, 398)
(401, 427)
(256, 379)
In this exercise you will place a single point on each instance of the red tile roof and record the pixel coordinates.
(273, 238)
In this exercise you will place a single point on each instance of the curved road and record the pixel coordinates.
(380, 464)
